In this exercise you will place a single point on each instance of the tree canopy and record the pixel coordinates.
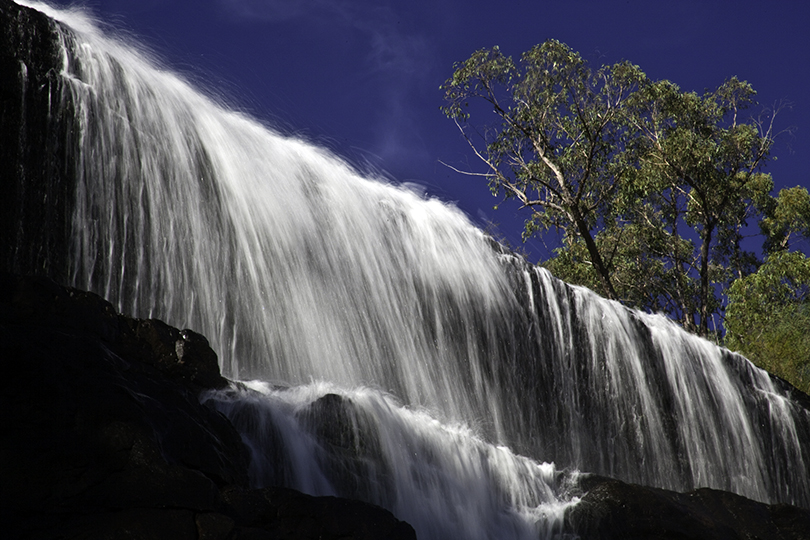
(652, 188)
(559, 145)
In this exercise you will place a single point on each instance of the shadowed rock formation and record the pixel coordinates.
(105, 437)
(36, 178)
(613, 510)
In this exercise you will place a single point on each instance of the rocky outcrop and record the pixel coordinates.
(613, 510)
(104, 435)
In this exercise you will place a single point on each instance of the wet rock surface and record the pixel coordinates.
(36, 126)
(614, 510)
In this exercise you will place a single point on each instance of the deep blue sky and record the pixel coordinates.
(362, 77)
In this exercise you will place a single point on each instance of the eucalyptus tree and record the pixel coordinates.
(556, 137)
(787, 219)
(768, 314)
(653, 188)
(699, 179)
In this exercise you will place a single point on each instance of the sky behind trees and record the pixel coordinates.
(362, 78)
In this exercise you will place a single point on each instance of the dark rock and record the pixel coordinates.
(131, 523)
(614, 510)
(213, 526)
(351, 451)
(36, 176)
(181, 354)
(104, 435)
(90, 425)
(288, 515)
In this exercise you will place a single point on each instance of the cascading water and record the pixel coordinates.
(301, 271)
(443, 480)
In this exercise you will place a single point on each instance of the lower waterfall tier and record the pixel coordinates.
(105, 431)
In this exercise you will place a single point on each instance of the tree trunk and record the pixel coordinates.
(703, 330)
(593, 251)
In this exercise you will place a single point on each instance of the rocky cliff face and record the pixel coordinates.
(613, 510)
(35, 127)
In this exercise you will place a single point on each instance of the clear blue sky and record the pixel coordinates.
(363, 77)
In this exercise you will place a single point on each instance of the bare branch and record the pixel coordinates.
(467, 173)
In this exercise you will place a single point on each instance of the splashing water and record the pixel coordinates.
(443, 480)
(305, 273)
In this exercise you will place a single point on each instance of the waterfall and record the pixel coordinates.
(354, 297)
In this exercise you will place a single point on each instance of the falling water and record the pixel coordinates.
(442, 479)
(304, 273)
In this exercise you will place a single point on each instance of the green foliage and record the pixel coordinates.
(641, 270)
(699, 167)
(788, 217)
(651, 187)
(768, 317)
(558, 145)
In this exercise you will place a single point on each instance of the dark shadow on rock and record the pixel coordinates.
(36, 177)
(614, 510)
(104, 435)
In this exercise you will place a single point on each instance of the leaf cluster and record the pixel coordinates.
(557, 133)
(768, 317)
(787, 219)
